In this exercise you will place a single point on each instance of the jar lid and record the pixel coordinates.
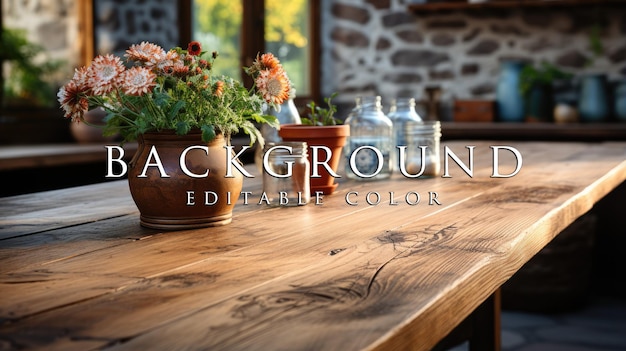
(282, 148)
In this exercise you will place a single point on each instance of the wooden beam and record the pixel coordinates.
(85, 31)
(185, 19)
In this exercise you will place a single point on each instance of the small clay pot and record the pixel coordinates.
(333, 137)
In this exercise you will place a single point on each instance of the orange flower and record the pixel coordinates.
(269, 61)
(181, 70)
(273, 85)
(218, 88)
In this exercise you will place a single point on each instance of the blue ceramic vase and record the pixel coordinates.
(509, 99)
(593, 105)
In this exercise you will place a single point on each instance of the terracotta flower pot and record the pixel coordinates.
(179, 201)
(333, 137)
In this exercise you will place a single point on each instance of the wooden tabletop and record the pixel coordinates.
(77, 271)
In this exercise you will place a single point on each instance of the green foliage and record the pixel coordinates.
(545, 74)
(322, 116)
(26, 80)
(595, 42)
(285, 22)
(217, 24)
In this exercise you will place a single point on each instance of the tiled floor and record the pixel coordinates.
(599, 326)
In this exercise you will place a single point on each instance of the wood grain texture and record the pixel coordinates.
(331, 276)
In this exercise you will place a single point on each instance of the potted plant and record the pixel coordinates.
(325, 135)
(536, 87)
(169, 101)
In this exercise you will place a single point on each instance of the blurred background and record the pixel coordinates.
(556, 61)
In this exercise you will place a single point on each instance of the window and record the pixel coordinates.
(240, 29)
(287, 36)
(217, 25)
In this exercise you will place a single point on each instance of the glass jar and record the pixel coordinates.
(286, 173)
(422, 155)
(369, 147)
(402, 110)
(288, 114)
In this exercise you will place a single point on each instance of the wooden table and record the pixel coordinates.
(77, 271)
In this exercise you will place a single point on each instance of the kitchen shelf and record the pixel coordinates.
(534, 131)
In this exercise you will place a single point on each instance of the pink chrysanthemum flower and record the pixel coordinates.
(81, 78)
(137, 81)
(103, 73)
(145, 52)
(72, 102)
(168, 62)
(273, 85)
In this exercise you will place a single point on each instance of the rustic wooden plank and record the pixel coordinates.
(305, 236)
(150, 257)
(58, 238)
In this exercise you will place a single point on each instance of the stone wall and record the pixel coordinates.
(380, 47)
(53, 24)
(121, 23)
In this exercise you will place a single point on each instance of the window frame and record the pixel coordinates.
(253, 40)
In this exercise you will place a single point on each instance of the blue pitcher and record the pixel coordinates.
(593, 105)
(509, 99)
